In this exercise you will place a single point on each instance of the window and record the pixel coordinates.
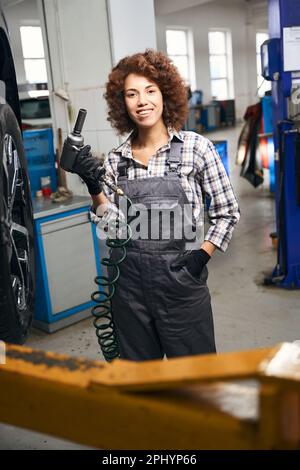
(180, 51)
(33, 54)
(220, 62)
(262, 84)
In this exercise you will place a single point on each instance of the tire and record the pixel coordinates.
(17, 264)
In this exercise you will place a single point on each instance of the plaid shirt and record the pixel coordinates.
(202, 172)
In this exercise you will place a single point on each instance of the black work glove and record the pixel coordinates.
(89, 169)
(195, 261)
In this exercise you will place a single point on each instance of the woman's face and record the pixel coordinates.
(143, 100)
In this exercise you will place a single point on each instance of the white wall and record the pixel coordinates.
(80, 39)
(81, 43)
(80, 58)
(91, 23)
(242, 21)
(137, 34)
(21, 14)
(80, 61)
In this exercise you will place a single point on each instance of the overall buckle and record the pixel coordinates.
(173, 164)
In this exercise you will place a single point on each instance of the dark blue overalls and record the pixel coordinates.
(159, 308)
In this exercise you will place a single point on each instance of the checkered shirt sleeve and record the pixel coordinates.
(223, 212)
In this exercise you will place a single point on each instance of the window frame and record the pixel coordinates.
(191, 79)
(228, 60)
(33, 24)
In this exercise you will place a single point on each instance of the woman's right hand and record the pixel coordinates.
(88, 168)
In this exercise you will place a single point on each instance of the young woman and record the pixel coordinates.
(162, 302)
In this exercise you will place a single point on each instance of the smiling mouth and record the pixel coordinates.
(144, 112)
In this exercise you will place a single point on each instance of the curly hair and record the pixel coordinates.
(157, 67)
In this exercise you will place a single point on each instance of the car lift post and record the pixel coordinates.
(281, 65)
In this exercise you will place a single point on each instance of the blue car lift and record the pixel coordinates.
(281, 65)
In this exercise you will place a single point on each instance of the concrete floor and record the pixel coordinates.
(247, 315)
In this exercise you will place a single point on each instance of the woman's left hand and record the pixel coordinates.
(196, 260)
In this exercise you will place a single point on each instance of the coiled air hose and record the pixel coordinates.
(103, 311)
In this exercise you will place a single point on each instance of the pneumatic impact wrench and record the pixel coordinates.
(72, 146)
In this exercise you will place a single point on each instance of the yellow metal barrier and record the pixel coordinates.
(236, 400)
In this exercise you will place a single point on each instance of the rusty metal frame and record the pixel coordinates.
(236, 400)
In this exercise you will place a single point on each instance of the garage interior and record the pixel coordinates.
(253, 306)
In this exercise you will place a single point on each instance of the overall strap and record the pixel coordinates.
(122, 168)
(174, 159)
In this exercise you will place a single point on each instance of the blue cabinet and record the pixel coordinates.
(39, 151)
(221, 148)
(68, 260)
